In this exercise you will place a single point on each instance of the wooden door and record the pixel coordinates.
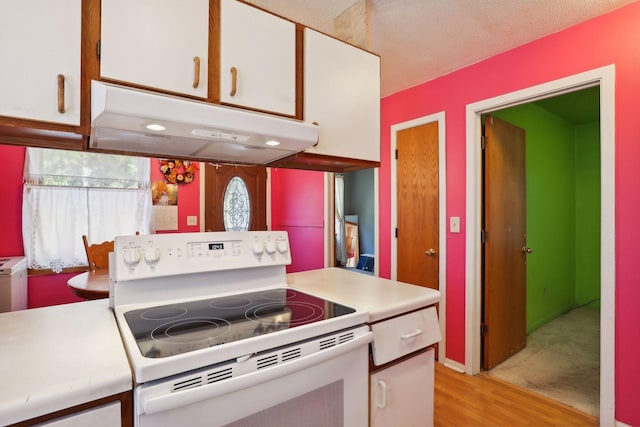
(218, 177)
(417, 199)
(504, 286)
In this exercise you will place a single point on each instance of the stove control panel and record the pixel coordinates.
(155, 255)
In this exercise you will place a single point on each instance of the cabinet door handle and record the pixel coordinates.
(234, 81)
(411, 334)
(382, 403)
(61, 93)
(196, 71)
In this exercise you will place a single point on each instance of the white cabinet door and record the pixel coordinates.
(103, 416)
(342, 94)
(157, 44)
(40, 41)
(402, 394)
(261, 48)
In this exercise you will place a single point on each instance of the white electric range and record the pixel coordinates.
(209, 323)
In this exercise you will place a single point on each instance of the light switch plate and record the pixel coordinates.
(192, 220)
(454, 224)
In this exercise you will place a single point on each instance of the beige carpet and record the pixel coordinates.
(561, 361)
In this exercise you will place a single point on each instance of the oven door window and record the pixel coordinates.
(330, 393)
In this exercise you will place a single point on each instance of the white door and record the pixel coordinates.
(40, 73)
(257, 61)
(161, 45)
(402, 394)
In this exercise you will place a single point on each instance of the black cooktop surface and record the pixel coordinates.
(171, 329)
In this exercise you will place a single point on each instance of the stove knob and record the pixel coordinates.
(270, 248)
(152, 256)
(257, 249)
(283, 247)
(131, 257)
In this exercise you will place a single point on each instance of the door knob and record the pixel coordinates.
(430, 252)
(526, 250)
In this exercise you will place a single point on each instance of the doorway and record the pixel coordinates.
(560, 249)
(440, 215)
(604, 79)
(355, 220)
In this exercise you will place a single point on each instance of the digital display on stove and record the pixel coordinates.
(216, 246)
(171, 329)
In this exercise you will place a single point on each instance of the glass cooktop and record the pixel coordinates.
(171, 329)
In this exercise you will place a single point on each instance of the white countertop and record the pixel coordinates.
(56, 357)
(382, 298)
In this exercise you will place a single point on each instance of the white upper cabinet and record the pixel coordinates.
(40, 50)
(257, 59)
(342, 95)
(158, 44)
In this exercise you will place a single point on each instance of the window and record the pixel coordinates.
(237, 206)
(68, 194)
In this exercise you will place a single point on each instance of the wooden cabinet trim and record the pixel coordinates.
(126, 410)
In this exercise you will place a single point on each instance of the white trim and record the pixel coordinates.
(456, 366)
(201, 200)
(442, 213)
(329, 219)
(605, 78)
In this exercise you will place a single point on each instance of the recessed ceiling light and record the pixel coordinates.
(272, 143)
(156, 127)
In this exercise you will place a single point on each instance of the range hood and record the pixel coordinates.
(143, 122)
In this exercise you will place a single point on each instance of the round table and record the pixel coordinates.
(91, 284)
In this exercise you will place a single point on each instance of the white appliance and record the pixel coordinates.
(216, 337)
(13, 283)
(145, 122)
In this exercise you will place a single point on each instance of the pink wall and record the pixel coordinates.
(297, 206)
(188, 200)
(11, 212)
(610, 39)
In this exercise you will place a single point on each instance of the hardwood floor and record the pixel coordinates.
(476, 401)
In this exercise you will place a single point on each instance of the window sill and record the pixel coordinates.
(47, 271)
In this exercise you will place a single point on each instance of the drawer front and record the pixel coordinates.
(402, 335)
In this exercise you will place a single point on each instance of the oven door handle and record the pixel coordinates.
(165, 402)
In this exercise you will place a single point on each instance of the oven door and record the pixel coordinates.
(327, 388)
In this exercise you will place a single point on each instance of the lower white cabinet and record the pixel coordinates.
(102, 416)
(402, 394)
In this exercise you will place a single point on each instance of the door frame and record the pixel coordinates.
(603, 77)
(442, 212)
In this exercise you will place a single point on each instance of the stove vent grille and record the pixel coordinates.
(188, 383)
(291, 354)
(327, 343)
(265, 362)
(272, 358)
(346, 337)
(219, 375)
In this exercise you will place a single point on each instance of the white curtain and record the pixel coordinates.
(70, 194)
(341, 246)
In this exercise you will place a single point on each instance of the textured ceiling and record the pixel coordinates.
(419, 40)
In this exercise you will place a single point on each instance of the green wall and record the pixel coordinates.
(560, 212)
(588, 214)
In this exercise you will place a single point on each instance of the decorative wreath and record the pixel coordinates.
(178, 171)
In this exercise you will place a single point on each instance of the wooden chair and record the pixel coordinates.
(98, 254)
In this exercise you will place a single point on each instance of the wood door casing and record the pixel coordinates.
(217, 178)
(417, 205)
(504, 286)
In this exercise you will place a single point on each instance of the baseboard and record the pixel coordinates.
(456, 366)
